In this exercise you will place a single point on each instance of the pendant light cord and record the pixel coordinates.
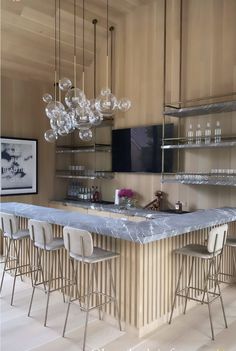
(111, 70)
(107, 28)
(75, 8)
(95, 21)
(55, 51)
(83, 46)
(59, 47)
(107, 59)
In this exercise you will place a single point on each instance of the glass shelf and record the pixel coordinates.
(223, 179)
(95, 175)
(83, 149)
(222, 144)
(201, 110)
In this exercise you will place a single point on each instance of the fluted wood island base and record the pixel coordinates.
(146, 273)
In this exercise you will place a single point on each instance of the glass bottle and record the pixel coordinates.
(96, 195)
(198, 134)
(190, 134)
(208, 133)
(92, 194)
(217, 133)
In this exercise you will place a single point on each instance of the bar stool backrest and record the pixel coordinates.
(9, 223)
(78, 241)
(40, 232)
(216, 238)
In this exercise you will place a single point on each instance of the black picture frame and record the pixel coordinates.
(19, 166)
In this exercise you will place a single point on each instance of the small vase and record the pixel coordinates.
(126, 202)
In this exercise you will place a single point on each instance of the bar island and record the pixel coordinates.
(146, 272)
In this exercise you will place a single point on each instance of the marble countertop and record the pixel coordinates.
(162, 226)
(132, 212)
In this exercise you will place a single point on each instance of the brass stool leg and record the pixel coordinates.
(61, 274)
(29, 260)
(16, 269)
(17, 256)
(208, 298)
(234, 261)
(114, 293)
(221, 299)
(97, 296)
(176, 290)
(189, 281)
(74, 276)
(89, 293)
(6, 262)
(39, 269)
(49, 288)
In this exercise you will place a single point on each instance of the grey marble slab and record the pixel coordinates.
(133, 211)
(146, 231)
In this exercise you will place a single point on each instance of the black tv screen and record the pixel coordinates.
(139, 149)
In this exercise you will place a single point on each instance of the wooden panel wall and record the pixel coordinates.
(23, 116)
(209, 66)
(209, 61)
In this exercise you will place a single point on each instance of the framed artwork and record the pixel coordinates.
(19, 166)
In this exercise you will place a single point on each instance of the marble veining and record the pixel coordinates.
(132, 211)
(163, 226)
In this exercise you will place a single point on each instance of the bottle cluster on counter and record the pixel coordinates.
(206, 136)
(78, 192)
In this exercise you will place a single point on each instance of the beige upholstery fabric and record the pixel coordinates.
(37, 230)
(75, 240)
(98, 255)
(231, 241)
(9, 223)
(20, 234)
(216, 238)
(196, 251)
(55, 244)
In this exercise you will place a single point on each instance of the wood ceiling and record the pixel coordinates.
(28, 34)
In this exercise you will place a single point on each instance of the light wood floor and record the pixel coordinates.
(187, 333)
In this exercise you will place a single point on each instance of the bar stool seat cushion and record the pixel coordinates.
(98, 255)
(231, 241)
(56, 244)
(196, 250)
(20, 234)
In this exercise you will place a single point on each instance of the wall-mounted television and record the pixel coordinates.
(139, 149)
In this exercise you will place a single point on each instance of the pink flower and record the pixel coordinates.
(126, 193)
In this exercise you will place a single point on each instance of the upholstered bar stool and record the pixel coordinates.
(12, 235)
(230, 242)
(211, 254)
(79, 244)
(41, 234)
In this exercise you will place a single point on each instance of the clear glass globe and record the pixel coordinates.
(84, 103)
(62, 131)
(47, 98)
(50, 136)
(105, 91)
(92, 104)
(62, 119)
(53, 109)
(86, 134)
(124, 104)
(65, 84)
(96, 118)
(83, 116)
(106, 104)
(71, 113)
(74, 97)
(53, 124)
